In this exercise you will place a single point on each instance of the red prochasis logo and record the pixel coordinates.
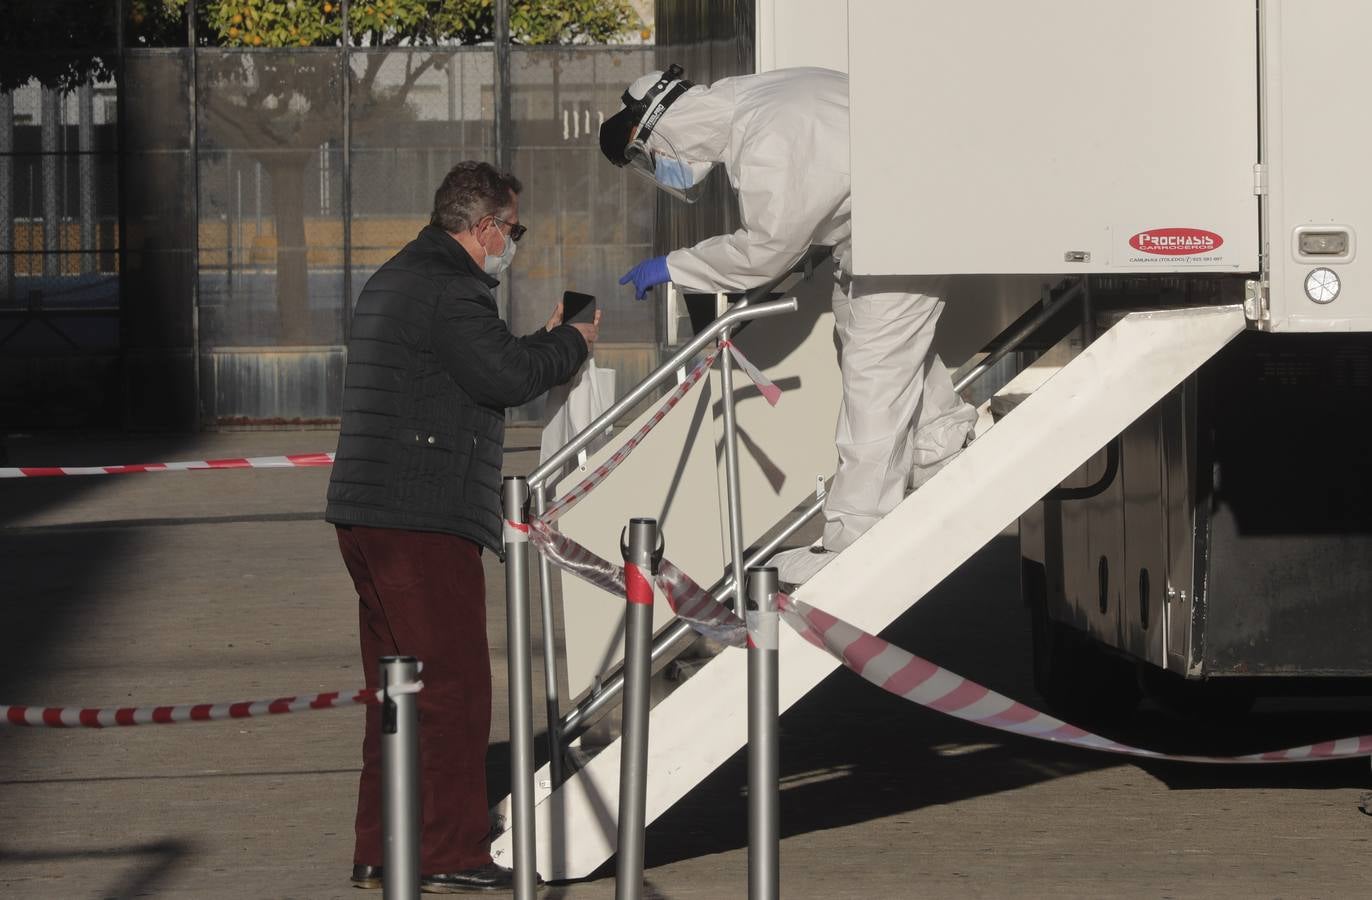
(1176, 241)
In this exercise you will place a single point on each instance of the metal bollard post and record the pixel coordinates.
(764, 773)
(640, 564)
(516, 491)
(400, 814)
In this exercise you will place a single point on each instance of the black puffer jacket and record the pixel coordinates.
(431, 369)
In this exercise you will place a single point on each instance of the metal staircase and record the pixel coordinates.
(1067, 414)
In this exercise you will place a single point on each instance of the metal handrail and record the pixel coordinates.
(1001, 348)
(747, 309)
(662, 373)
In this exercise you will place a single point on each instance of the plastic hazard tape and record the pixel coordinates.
(770, 392)
(515, 532)
(292, 461)
(916, 679)
(763, 628)
(577, 494)
(312, 460)
(688, 600)
(72, 717)
(115, 717)
(637, 585)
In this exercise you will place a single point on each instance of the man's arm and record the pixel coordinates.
(496, 368)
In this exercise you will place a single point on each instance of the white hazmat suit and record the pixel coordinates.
(783, 140)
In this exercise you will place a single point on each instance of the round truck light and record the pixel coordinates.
(1322, 285)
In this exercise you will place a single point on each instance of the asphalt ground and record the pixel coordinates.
(206, 586)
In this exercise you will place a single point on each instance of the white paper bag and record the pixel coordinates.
(576, 404)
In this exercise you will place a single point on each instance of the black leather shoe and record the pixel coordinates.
(367, 877)
(490, 877)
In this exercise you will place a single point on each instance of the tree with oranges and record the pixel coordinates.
(313, 23)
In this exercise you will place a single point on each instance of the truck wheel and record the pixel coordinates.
(1081, 680)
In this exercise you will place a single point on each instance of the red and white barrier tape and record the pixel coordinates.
(916, 679)
(312, 460)
(292, 461)
(687, 599)
(763, 630)
(124, 716)
(564, 503)
(515, 532)
(896, 670)
(888, 666)
(770, 392)
(698, 606)
(638, 586)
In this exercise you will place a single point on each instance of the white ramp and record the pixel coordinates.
(1075, 413)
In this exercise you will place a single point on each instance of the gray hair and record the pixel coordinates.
(471, 191)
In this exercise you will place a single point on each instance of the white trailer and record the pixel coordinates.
(1185, 456)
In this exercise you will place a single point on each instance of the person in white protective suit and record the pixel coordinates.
(782, 138)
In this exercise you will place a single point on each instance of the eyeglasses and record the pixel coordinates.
(517, 231)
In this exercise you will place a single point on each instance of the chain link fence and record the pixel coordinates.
(184, 233)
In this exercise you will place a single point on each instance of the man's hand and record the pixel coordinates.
(590, 331)
(555, 319)
(647, 274)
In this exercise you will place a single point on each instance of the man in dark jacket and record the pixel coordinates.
(415, 496)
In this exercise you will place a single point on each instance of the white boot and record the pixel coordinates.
(795, 567)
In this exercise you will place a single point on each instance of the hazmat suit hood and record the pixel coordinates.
(697, 126)
(782, 137)
(634, 139)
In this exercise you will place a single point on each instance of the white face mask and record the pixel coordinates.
(494, 265)
(666, 168)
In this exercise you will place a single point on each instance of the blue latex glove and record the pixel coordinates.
(647, 274)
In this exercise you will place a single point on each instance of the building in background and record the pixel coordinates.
(184, 225)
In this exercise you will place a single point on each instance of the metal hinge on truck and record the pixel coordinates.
(1256, 305)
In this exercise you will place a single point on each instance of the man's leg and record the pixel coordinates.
(432, 594)
(943, 425)
(376, 642)
(886, 337)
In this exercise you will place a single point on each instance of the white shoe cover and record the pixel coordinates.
(795, 567)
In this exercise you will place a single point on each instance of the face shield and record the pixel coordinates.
(628, 138)
(659, 162)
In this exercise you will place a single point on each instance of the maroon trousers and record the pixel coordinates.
(423, 594)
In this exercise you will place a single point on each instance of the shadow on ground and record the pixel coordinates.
(137, 870)
(50, 575)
